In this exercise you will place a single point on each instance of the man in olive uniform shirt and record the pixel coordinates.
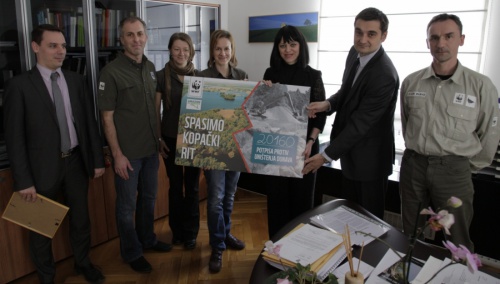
(450, 126)
(126, 99)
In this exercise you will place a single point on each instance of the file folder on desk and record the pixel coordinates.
(322, 266)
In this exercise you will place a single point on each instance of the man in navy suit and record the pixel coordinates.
(39, 162)
(362, 135)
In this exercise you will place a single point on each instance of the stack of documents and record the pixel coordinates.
(445, 273)
(335, 220)
(307, 244)
(433, 271)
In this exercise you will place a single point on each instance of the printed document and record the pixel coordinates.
(307, 244)
(336, 219)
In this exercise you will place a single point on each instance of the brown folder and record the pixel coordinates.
(43, 216)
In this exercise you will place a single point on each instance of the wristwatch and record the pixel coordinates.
(312, 139)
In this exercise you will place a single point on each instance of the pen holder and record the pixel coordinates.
(358, 279)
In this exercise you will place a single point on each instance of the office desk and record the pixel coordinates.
(373, 252)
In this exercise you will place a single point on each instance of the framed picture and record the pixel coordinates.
(264, 28)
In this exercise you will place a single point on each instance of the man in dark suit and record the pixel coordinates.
(362, 135)
(42, 160)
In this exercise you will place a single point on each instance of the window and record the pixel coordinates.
(165, 19)
(405, 43)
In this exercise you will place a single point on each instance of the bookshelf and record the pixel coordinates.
(10, 61)
(91, 29)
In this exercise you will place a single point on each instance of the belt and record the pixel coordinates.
(438, 159)
(69, 152)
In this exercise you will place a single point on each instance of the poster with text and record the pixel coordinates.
(242, 126)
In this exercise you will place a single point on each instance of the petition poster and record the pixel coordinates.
(242, 126)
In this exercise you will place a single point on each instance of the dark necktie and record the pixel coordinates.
(61, 113)
(349, 81)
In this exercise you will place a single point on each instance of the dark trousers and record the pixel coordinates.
(73, 183)
(183, 197)
(369, 194)
(288, 197)
(431, 180)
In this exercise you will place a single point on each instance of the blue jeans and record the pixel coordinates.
(220, 200)
(137, 194)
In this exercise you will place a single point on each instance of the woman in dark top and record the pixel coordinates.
(184, 212)
(289, 197)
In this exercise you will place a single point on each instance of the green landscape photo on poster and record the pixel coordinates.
(264, 28)
(242, 126)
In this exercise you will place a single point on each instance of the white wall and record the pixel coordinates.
(224, 5)
(491, 54)
(254, 57)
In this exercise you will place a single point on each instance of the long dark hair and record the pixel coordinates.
(288, 34)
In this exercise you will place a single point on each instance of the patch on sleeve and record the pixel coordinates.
(153, 75)
(459, 99)
(101, 86)
(471, 101)
(494, 121)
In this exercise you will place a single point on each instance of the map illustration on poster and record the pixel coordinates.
(242, 126)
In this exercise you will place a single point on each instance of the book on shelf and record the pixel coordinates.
(112, 28)
(66, 20)
(80, 39)
(99, 24)
(72, 28)
(105, 37)
(307, 244)
(7, 43)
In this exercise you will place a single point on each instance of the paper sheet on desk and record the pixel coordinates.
(384, 265)
(431, 266)
(307, 244)
(337, 218)
(453, 274)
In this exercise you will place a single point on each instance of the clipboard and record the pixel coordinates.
(43, 216)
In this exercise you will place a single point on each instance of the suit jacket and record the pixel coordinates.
(363, 132)
(32, 132)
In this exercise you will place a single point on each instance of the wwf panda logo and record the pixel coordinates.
(196, 85)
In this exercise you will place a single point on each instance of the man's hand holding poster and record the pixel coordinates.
(242, 126)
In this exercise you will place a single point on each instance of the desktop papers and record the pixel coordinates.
(307, 244)
(452, 274)
(337, 219)
(389, 259)
(422, 272)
